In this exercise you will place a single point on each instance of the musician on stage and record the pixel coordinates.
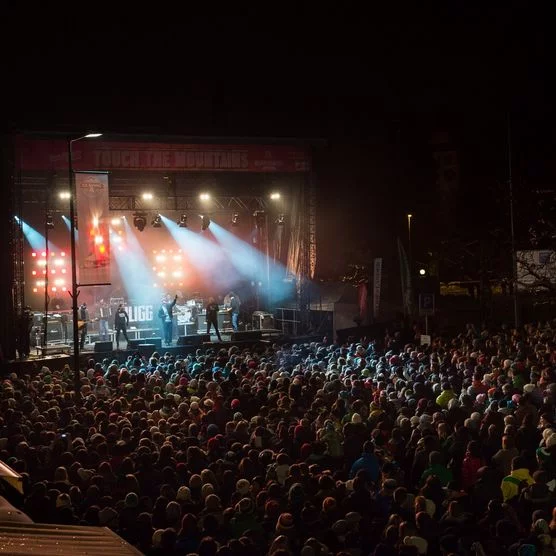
(121, 320)
(103, 313)
(165, 315)
(84, 318)
(212, 317)
(235, 304)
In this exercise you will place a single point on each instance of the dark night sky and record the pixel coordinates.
(375, 86)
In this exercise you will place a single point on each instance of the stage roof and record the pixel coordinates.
(22, 539)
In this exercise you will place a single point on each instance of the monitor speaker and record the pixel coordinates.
(246, 336)
(102, 347)
(157, 342)
(193, 340)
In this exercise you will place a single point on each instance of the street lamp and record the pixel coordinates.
(74, 285)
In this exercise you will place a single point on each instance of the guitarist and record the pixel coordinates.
(235, 305)
(84, 318)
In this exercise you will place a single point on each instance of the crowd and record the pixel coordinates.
(375, 447)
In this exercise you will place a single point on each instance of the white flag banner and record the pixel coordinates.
(93, 248)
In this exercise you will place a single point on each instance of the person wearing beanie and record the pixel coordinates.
(244, 519)
(286, 526)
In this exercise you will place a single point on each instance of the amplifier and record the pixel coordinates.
(262, 321)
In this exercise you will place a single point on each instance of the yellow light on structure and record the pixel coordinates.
(54, 288)
(64, 195)
(63, 271)
(41, 262)
(275, 196)
(116, 221)
(58, 262)
(177, 258)
(95, 222)
(161, 274)
(34, 272)
(59, 282)
(52, 271)
(176, 273)
(204, 196)
(99, 240)
(35, 290)
(160, 258)
(33, 254)
(147, 196)
(62, 254)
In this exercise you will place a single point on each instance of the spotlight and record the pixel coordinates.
(204, 196)
(147, 196)
(205, 222)
(93, 135)
(49, 222)
(275, 196)
(280, 221)
(422, 271)
(140, 220)
(182, 222)
(157, 221)
(64, 195)
(116, 221)
(235, 219)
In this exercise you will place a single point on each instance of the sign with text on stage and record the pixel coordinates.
(37, 154)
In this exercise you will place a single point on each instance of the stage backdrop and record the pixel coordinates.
(93, 221)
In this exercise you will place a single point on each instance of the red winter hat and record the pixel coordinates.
(235, 404)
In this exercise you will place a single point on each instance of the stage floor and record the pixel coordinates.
(56, 361)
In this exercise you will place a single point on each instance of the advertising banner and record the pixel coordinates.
(93, 240)
(41, 154)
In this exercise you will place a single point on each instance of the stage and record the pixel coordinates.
(258, 341)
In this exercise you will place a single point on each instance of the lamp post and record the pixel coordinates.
(410, 256)
(74, 284)
(512, 228)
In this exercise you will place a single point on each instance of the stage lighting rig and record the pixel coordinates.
(157, 221)
(140, 220)
(205, 221)
(280, 220)
(235, 219)
(182, 222)
(49, 221)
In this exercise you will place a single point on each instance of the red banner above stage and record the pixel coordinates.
(39, 154)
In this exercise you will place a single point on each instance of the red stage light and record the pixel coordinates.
(63, 271)
(34, 273)
(43, 253)
(44, 271)
(52, 271)
(33, 254)
(62, 254)
(35, 290)
(102, 249)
